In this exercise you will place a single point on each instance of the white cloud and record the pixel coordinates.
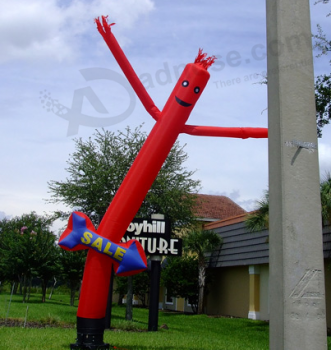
(37, 29)
(30, 29)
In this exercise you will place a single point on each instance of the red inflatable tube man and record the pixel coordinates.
(170, 122)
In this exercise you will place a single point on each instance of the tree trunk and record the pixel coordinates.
(202, 281)
(120, 299)
(129, 296)
(72, 296)
(43, 290)
(24, 288)
(16, 284)
(29, 290)
(80, 288)
(20, 280)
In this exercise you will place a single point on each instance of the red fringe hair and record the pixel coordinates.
(203, 60)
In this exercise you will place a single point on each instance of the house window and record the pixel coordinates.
(168, 300)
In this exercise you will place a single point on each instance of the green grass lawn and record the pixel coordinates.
(184, 331)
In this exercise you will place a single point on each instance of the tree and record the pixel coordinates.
(180, 276)
(198, 243)
(325, 188)
(98, 166)
(10, 265)
(45, 262)
(140, 286)
(133, 285)
(71, 266)
(129, 297)
(323, 101)
(120, 287)
(27, 249)
(259, 219)
(323, 82)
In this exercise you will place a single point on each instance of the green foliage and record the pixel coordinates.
(323, 82)
(71, 266)
(180, 277)
(325, 188)
(130, 326)
(27, 249)
(323, 101)
(140, 285)
(98, 166)
(259, 219)
(45, 258)
(200, 242)
(121, 285)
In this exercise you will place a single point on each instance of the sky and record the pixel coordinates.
(59, 82)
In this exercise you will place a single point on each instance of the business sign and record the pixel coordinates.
(154, 236)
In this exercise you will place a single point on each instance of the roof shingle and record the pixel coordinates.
(212, 207)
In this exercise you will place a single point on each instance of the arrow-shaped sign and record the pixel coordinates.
(129, 258)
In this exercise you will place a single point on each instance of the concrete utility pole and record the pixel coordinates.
(297, 297)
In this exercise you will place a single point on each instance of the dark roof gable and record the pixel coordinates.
(242, 247)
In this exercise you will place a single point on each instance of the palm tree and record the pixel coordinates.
(259, 219)
(200, 242)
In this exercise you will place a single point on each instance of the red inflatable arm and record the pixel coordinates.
(215, 131)
(105, 30)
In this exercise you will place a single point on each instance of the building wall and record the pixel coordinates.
(170, 303)
(176, 304)
(229, 292)
(180, 304)
(187, 307)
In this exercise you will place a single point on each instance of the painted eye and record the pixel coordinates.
(185, 83)
(197, 89)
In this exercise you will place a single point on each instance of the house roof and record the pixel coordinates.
(226, 222)
(240, 246)
(213, 208)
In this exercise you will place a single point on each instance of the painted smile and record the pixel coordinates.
(183, 103)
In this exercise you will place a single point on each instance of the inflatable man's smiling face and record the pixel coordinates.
(190, 85)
